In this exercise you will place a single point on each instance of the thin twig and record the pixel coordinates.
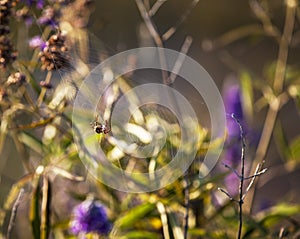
(256, 174)
(242, 178)
(43, 91)
(233, 36)
(173, 29)
(232, 169)
(263, 16)
(251, 182)
(147, 4)
(228, 195)
(164, 219)
(45, 209)
(14, 213)
(284, 45)
(184, 49)
(34, 125)
(242, 175)
(156, 37)
(156, 7)
(281, 233)
(187, 205)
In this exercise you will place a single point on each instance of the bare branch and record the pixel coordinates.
(147, 5)
(14, 213)
(154, 33)
(184, 49)
(252, 181)
(256, 174)
(66, 174)
(187, 205)
(173, 29)
(232, 169)
(227, 194)
(242, 175)
(263, 16)
(156, 7)
(148, 21)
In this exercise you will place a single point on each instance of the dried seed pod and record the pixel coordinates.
(7, 54)
(16, 79)
(5, 11)
(54, 55)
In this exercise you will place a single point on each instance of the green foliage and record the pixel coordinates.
(37, 122)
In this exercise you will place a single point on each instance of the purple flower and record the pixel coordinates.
(90, 217)
(265, 204)
(28, 21)
(48, 17)
(39, 3)
(232, 182)
(36, 42)
(233, 105)
(232, 156)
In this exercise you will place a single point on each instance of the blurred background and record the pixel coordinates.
(237, 42)
(228, 38)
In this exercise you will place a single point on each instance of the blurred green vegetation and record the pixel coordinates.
(255, 43)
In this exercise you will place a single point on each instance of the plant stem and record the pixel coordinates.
(242, 177)
(186, 204)
(169, 79)
(43, 91)
(241, 201)
(14, 213)
(278, 84)
(156, 37)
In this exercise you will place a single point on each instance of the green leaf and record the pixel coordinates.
(279, 212)
(134, 215)
(140, 234)
(197, 232)
(14, 192)
(203, 233)
(295, 148)
(247, 93)
(254, 227)
(32, 142)
(34, 213)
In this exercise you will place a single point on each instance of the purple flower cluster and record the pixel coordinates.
(233, 105)
(37, 42)
(90, 217)
(38, 3)
(48, 17)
